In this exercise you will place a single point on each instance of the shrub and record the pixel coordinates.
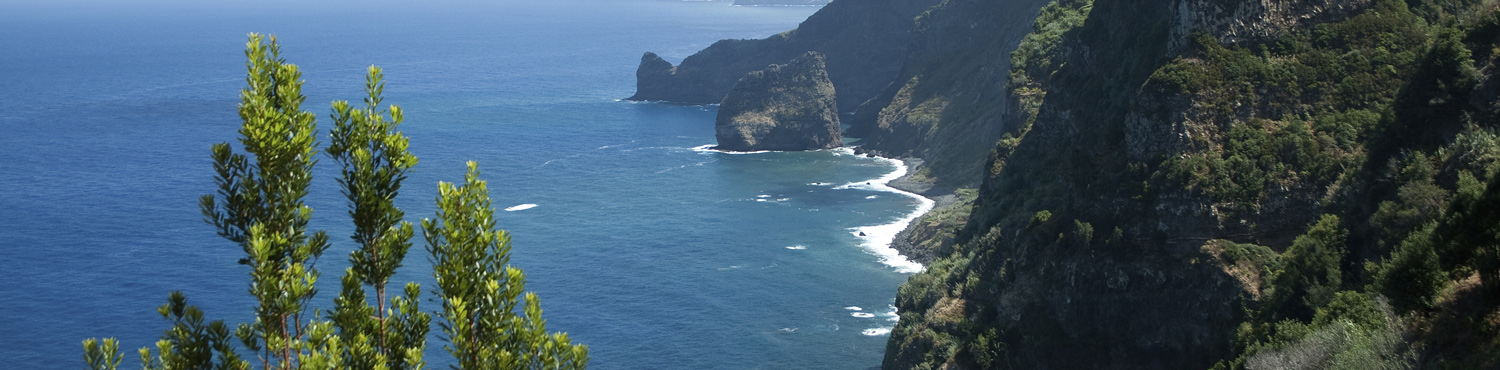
(1413, 276)
(1311, 273)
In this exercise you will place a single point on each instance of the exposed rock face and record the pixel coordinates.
(783, 107)
(1035, 266)
(1237, 21)
(863, 41)
(947, 104)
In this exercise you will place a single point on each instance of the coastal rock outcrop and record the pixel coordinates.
(783, 107)
(1236, 21)
(863, 41)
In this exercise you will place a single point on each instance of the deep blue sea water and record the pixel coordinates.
(654, 252)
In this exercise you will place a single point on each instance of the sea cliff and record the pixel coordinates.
(1194, 183)
(863, 42)
(783, 107)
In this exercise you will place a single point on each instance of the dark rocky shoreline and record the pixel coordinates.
(909, 242)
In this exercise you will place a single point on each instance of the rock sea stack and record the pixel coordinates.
(784, 107)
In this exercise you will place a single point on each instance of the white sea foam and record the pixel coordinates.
(872, 197)
(699, 164)
(520, 207)
(710, 149)
(615, 145)
(576, 155)
(763, 196)
(797, 247)
(892, 315)
(862, 315)
(877, 238)
(875, 332)
(853, 308)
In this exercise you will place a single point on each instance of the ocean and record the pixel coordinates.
(643, 244)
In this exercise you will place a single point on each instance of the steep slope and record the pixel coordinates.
(863, 41)
(783, 107)
(1185, 183)
(946, 105)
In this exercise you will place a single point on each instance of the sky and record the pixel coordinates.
(42, 10)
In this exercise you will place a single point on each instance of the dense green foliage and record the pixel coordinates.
(1341, 173)
(260, 207)
(1310, 275)
(1376, 105)
(262, 210)
(1413, 182)
(482, 292)
(1032, 63)
(375, 161)
(1037, 56)
(1312, 98)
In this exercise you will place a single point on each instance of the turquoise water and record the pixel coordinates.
(656, 253)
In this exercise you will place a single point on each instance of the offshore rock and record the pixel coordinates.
(783, 107)
(863, 41)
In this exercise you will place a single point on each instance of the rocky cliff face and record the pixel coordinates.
(947, 104)
(1192, 183)
(863, 41)
(783, 107)
(1237, 21)
(1098, 238)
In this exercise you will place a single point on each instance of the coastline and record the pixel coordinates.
(943, 196)
(898, 242)
(879, 239)
(915, 241)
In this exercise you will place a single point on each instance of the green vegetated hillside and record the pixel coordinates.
(1222, 184)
